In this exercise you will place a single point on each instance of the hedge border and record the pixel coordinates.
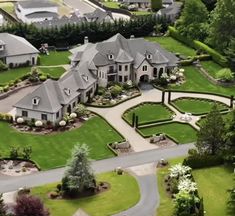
(172, 103)
(216, 56)
(152, 121)
(172, 122)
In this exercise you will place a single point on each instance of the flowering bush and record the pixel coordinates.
(38, 123)
(179, 170)
(62, 123)
(73, 115)
(187, 185)
(20, 120)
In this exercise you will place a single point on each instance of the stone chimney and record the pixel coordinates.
(86, 40)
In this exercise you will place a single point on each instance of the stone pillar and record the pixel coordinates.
(169, 96)
(133, 120)
(136, 121)
(163, 97)
(231, 101)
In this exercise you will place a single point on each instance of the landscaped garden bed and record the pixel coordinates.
(180, 133)
(114, 94)
(197, 106)
(149, 112)
(53, 150)
(122, 194)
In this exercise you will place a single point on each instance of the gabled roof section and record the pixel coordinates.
(158, 58)
(123, 57)
(138, 60)
(15, 45)
(47, 93)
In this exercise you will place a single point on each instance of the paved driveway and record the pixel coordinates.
(81, 5)
(6, 104)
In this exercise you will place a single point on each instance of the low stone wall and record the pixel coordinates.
(6, 94)
(204, 72)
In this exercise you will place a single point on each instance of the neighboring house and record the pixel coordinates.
(172, 11)
(97, 16)
(92, 65)
(36, 10)
(15, 50)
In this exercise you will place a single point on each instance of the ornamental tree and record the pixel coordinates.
(29, 205)
(78, 176)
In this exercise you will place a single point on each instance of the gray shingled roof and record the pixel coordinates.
(47, 94)
(172, 11)
(15, 45)
(37, 4)
(42, 14)
(98, 15)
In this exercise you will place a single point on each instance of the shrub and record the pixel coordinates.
(116, 90)
(54, 195)
(42, 78)
(6, 117)
(14, 152)
(225, 74)
(6, 88)
(80, 110)
(101, 90)
(28, 206)
(26, 152)
(200, 161)
(3, 66)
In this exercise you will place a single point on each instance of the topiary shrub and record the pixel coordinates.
(116, 90)
(225, 74)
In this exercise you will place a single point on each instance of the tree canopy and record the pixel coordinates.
(193, 21)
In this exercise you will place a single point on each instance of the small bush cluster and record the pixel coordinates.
(196, 160)
(3, 66)
(6, 117)
(18, 65)
(20, 153)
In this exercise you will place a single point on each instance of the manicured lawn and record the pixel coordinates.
(53, 71)
(12, 74)
(166, 203)
(197, 106)
(213, 184)
(140, 13)
(51, 151)
(8, 7)
(173, 45)
(111, 4)
(211, 67)
(183, 133)
(198, 83)
(123, 194)
(149, 112)
(55, 58)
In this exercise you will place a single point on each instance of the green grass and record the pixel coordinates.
(198, 83)
(12, 74)
(8, 7)
(55, 58)
(51, 151)
(197, 106)
(148, 112)
(183, 133)
(166, 204)
(211, 67)
(141, 13)
(173, 45)
(123, 194)
(111, 4)
(213, 184)
(53, 71)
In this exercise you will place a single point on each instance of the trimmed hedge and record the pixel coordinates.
(200, 161)
(217, 57)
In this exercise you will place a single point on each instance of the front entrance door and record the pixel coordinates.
(144, 78)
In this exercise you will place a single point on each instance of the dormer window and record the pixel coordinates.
(149, 56)
(85, 78)
(110, 56)
(67, 91)
(35, 101)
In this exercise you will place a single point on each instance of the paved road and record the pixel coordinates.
(81, 5)
(8, 183)
(6, 104)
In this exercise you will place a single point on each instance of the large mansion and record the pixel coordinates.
(92, 65)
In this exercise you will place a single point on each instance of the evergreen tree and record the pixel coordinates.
(210, 138)
(222, 24)
(230, 133)
(2, 207)
(193, 21)
(78, 175)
